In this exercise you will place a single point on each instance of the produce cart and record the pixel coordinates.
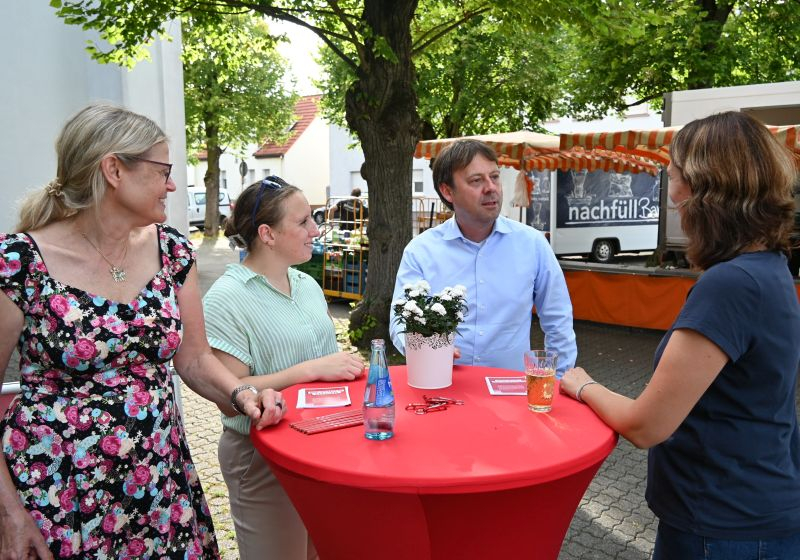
(345, 248)
(343, 253)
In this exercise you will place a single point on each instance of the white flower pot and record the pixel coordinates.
(429, 360)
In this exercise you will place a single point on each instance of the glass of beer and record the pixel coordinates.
(540, 374)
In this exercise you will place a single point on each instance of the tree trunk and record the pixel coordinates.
(381, 106)
(211, 179)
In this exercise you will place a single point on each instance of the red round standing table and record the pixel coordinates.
(488, 479)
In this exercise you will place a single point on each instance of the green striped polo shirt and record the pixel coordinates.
(264, 328)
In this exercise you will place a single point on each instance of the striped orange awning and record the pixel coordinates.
(511, 147)
(627, 139)
(635, 151)
(532, 151)
(789, 136)
(592, 160)
(654, 144)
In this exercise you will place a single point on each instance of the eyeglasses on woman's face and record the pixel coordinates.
(166, 173)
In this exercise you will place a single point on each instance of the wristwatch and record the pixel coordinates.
(236, 392)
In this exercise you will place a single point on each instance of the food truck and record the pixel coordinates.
(776, 105)
(595, 213)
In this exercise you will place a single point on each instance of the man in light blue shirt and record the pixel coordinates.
(506, 267)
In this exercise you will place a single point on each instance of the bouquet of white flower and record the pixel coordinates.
(427, 314)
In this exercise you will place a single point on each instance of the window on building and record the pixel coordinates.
(223, 179)
(251, 176)
(266, 173)
(417, 181)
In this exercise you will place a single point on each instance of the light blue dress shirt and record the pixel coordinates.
(506, 275)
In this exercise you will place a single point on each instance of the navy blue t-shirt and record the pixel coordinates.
(732, 469)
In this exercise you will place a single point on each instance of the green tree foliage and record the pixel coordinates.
(656, 46)
(234, 93)
(487, 75)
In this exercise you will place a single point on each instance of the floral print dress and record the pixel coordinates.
(94, 442)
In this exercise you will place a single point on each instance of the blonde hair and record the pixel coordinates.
(93, 133)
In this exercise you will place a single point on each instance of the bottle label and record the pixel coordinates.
(383, 392)
(375, 372)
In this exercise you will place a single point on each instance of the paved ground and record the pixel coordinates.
(612, 522)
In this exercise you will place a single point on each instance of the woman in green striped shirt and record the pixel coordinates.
(269, 324)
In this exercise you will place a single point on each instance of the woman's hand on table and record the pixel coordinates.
(573, 379)
(265, 409)
(340, 366)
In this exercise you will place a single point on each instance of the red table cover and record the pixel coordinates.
(490, 443)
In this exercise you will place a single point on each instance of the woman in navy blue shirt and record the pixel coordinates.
(719, 413)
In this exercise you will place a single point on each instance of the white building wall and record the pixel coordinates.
(47, 76)
(230, 178)
(637, 118)
(265, 166)
(346, 161)
(777, 103)
(307, 163)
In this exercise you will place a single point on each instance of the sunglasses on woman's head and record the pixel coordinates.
(272, 183)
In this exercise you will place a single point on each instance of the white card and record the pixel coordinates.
(507, 385)
(323, 397)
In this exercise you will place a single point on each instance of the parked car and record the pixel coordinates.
(197, 206)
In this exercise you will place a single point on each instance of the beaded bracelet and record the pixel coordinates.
(581, 388)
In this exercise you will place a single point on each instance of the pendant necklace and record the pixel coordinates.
(117, 272)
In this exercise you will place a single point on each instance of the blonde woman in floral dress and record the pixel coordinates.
(98, 296)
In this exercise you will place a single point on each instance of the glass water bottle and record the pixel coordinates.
(378, 397)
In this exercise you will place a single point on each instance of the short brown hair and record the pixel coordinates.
(741, 182)
(457, 156)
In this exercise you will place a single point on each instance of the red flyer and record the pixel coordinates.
(507, 385)
(323, 397)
